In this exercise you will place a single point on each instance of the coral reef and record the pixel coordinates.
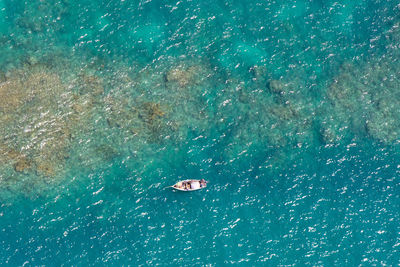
(36, 129)
(150, 113)
(363, 98)
(276, 86)
(12, 94)
(162, 101)
(39, 16)
(55, 113)
(183, 76)
(22, 164)
(145, 120)
(263, 116)
(42, 113)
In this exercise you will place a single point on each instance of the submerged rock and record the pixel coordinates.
(150, 112)
(259, 73)
(183, 76)
(22, 165)
(276, 86)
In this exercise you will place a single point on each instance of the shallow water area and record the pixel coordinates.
(288, 110)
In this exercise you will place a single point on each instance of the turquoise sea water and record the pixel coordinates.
(288, 108)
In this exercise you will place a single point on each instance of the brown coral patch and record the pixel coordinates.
(12, 95)
(22, 164)
(150, 112)
(90, 83)
(41, 116)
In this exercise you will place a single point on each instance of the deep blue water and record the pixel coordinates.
(289, 110)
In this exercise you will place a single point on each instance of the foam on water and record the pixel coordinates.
(289, 110)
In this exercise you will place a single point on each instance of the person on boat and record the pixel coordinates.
(187, 186)
(194, 184)
(203, 183)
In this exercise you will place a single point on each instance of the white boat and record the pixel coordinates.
(190, 185)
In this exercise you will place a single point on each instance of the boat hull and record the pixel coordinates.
(180, 185)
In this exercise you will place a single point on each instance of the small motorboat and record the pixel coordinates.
(189, 185)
